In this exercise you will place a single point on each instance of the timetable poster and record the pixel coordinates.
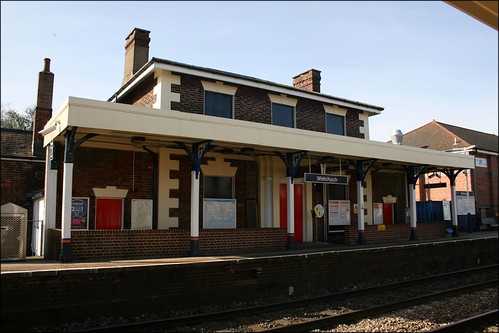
(339, 212)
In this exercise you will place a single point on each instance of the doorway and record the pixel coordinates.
(298, 209)
(109, 214)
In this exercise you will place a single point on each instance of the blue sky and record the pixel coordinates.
(420, 60)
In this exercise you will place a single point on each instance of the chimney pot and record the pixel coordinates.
(46, 67)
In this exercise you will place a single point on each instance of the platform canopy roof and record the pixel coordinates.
(123, 126)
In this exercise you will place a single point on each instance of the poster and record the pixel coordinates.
(339, 212)
(446, 208)
(378, 213)
(79, 213)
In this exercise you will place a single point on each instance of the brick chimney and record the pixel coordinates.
(43, 108)
(136, 52)
(309, 80)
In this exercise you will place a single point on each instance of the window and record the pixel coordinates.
(283, 115)
(218, 187)
(217, 104)
(335, 124)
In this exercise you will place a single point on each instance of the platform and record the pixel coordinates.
(32, 264)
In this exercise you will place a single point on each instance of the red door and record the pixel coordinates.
(283, 209)
(387, 213)
(108, 214)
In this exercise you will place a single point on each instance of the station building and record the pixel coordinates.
(187, 160)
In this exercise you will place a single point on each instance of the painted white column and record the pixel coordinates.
(360, 205)
(360, 213)
(67, 192)
(194, 206)
(414, 216)
(50, 199)
(454, 209)
(291, 207)
(267, 218)
(412, 206)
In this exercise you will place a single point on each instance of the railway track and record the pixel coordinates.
(373, 311)
(474, 322)
(243, 314)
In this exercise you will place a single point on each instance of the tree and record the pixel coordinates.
(13, 119)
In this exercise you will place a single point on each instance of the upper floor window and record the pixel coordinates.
(335, 119)
(217, 104)
(283, 115)
(335, 124)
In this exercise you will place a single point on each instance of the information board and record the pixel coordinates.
(462, 204)
(339, 212)
(141, 214)
(378, 213)
(219, 214)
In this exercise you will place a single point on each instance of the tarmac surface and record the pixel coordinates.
(35, 264)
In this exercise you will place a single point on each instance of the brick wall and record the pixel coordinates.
(98, 168)
(487, 186)
(252, 104)
(143, 95)
(246, 188)
(21, 180)
(395, 232)
(129, 244)
(81, 293)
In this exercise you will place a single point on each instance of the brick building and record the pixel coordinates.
(481, 184)
(187, 160)
(23, 160)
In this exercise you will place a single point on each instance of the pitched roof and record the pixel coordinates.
(440, 136)
(243, 78)
(16, 143)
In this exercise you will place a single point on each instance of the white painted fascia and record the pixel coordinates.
(106, 117)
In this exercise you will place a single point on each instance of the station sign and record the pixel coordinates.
(435, 185)
(325, 179)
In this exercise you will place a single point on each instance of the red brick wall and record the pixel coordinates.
(98, 168)
(126, 244)
(395, 232)
(143, 95)
(487, 186)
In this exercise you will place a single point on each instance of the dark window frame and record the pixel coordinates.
(334, 128)
(278, 108)
(213, 104)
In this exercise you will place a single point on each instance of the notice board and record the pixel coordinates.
(141, 214)
(339, 212)
(219, 214)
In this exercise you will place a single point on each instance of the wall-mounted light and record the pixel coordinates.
(49, 129)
